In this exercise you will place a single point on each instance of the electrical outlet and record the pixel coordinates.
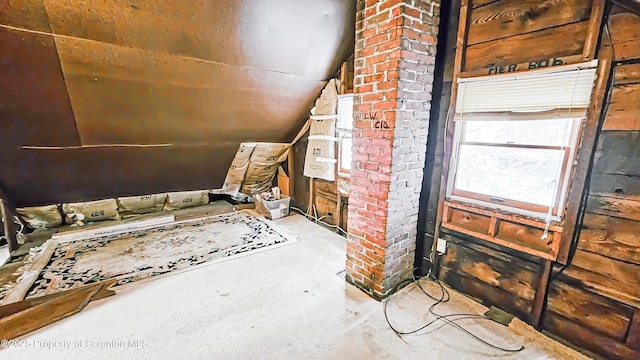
(441, 246)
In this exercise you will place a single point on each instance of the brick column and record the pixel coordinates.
(394, 64)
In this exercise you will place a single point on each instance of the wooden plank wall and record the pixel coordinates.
(594, 303)
(508, 32)
(501, 33)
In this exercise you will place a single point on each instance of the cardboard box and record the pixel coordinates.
(283, 181)
(274, 209)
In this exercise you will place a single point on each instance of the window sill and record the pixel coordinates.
(508, 230)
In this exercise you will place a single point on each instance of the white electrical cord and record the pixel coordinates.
(319, 220)
(547, 225)
(20, 235)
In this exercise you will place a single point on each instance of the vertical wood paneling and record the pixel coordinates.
(594, 303)
(506, 18)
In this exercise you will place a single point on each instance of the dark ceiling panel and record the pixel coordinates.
(29, 14)
(40, 177)
(135, 96)
(203, 75)
(34, 105)
(303, 37)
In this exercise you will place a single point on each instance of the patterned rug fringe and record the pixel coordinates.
(140, 255)
(20, 271)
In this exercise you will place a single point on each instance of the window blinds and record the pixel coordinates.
(565, 89)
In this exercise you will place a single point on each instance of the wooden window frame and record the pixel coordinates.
(562, 232)
(564, 178)
(343, 134)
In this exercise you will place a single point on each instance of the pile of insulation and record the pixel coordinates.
(255, 164)
(51, 216)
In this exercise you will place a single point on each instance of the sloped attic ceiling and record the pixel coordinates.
(107, 98)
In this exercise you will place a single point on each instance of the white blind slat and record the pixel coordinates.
(527, 92)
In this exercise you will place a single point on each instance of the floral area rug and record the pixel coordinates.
(143, 254)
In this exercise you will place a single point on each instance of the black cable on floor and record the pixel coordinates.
(444, 297)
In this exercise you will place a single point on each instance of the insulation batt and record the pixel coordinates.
(320, 160)
(238, 169)
(141, 204)
(186, 199)
(41, 216)
(99, 210)
(263, 165)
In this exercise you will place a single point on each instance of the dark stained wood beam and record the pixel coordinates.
(586, 153)
(541, 293)
(458, 66)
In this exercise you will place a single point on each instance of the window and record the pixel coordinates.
(515, 139)
(344, 126)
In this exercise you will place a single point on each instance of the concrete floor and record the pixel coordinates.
(286, 303)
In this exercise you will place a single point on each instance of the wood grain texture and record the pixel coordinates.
(479, 3)
(29, 315)
(544, 252)
(504, 215)
(618, 152)
(611, 237)
(549, 43)
(469, 220)
(633, 338)
(608, 277)
(598, 313)
(625, 33)
(489, 295)
(326, 207)
(585, 153)
(624, 108)
(593, 33)
(514, 17)
(326, 188)
(524, 234)
(513, 276)
(622, 208)
(540, 298)
(587, 339)
(627, 74)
